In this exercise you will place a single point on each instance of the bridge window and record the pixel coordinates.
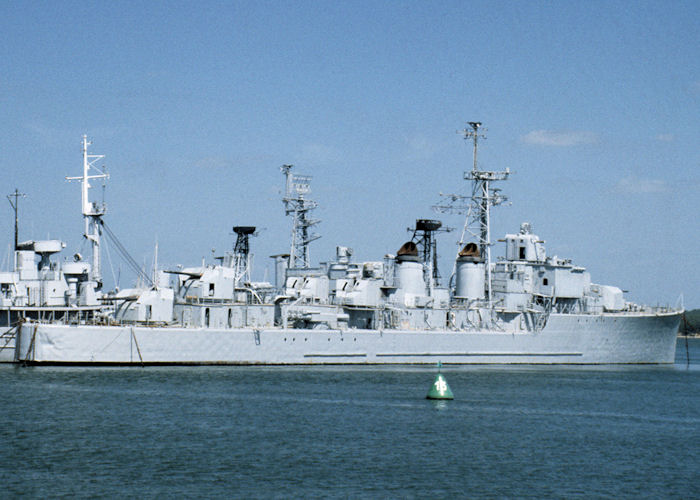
(206, 317)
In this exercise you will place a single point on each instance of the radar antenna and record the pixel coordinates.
(478, 205)
(299, 207)
(424, 235)
(241, 252)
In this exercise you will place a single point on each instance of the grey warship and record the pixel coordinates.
(524, 307)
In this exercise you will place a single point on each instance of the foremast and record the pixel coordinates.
(92, 211)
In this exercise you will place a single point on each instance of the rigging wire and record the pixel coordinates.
(111, 266)
(125, 254)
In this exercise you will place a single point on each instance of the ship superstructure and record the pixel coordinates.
(525, 307)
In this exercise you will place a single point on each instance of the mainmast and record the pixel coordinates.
(92, 211)
(16, 195)
(300, 207)
(478, 206)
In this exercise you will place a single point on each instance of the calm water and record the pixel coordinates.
(352, 432)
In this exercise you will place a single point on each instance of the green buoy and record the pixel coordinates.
(440, 389)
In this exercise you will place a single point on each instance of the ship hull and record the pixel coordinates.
(8, 337)
(567, 339)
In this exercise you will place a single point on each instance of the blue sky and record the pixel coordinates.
(595, 106)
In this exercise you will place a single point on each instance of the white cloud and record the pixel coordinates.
(665, 137)
(638, 185)
(560, 139)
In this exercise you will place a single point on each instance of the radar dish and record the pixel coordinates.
(244, 229)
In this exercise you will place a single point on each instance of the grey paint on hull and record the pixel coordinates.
(567, 339)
